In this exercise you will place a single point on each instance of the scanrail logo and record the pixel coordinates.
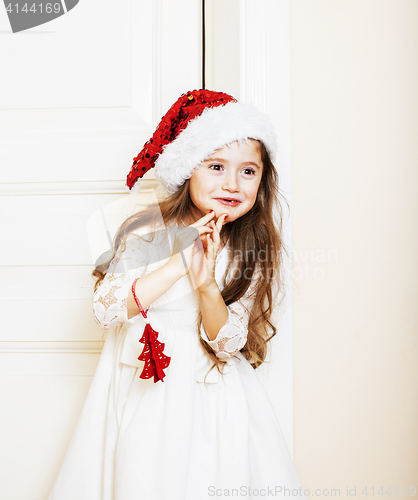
(24, 15)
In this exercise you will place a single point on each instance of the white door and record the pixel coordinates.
(79, 97)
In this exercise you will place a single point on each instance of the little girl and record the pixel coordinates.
(176, 410)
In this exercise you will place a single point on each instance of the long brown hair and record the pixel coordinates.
(258, 232)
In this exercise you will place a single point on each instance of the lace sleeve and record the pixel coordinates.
(110, 300)
(232, 337)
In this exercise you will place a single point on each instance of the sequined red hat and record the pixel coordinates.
(199, 123)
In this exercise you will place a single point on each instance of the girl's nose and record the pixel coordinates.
(230, 182)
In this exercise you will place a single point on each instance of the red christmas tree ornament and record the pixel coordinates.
(153, 356)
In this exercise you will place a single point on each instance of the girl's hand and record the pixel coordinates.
(203, 264)
(187, 242)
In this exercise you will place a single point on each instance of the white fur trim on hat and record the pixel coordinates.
(213, 129)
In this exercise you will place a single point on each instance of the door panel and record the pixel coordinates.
(81, 95)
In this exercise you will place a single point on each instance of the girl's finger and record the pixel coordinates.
(187, 236)
(220, 222)
(186, 231)
(204, 229)
(205, 219)
(191, 233)
(210, 245)
(215, 234)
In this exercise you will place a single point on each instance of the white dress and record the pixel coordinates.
(180, 438)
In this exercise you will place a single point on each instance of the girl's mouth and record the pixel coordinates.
(226, 201)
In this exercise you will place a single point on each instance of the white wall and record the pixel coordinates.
(354, 81)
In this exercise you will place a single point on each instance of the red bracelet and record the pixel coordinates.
(144, 313)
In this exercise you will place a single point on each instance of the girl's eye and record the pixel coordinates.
(247, 170)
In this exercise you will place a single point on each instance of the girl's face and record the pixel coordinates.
(232, 172)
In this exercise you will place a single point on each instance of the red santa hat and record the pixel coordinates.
(199, 123)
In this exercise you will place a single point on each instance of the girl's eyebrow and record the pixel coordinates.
(252, 163)
(244, 163)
